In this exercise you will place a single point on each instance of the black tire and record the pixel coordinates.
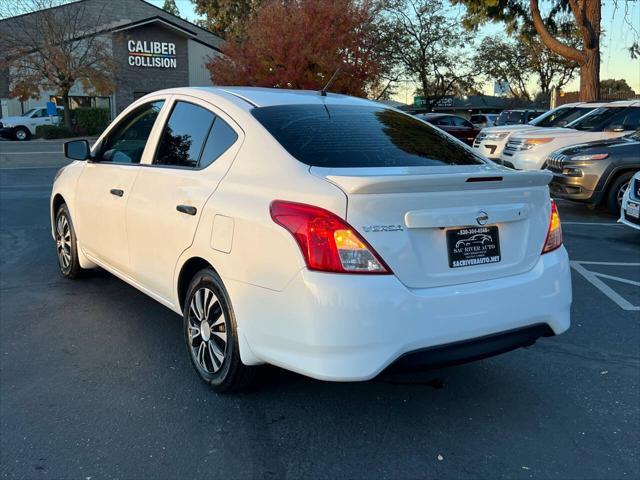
(21, 134)
(614, 196)
(205, 342)
(66, 244)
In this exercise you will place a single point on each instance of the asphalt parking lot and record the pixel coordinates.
(95, 381)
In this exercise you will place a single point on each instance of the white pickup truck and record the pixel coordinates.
(23, 127)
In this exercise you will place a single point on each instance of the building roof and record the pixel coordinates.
(102, 15)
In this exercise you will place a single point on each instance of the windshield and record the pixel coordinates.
(594, 118)
(634, 136)
(510, 117)
(560, 116)
(28, 113)
(346, 136)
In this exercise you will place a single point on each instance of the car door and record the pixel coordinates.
(195, 149)
(38, 117)
(463, 130)
(105, 186)
(626, 121)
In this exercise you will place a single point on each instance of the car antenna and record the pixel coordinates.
(323, 92)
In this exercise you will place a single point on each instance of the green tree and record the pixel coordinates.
(613, 87)
(171, 7)
(517, 60)
(524, 16)
(431, 48)
(226, 17)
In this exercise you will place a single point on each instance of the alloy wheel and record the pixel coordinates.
(207, 330)
(621, 190)
(63, 241)
(21, 134)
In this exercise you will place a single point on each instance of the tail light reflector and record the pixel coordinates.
(554, 234)
(328, 243)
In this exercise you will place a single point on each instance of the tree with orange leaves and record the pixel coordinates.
(301, 43)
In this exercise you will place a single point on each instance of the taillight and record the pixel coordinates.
(554, 234)
(328, 243)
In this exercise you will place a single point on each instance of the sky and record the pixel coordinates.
(618, 35)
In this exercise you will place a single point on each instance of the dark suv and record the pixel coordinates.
(595, 172)
(517, 117)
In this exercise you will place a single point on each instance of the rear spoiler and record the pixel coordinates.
(357, 181)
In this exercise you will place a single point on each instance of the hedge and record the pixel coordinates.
(50, 132)
(90, 120)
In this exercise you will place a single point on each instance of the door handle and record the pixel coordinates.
(188, 209)
(117, 192)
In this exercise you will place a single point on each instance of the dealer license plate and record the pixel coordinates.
(473, 246)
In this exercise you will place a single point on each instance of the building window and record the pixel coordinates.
(84, 101)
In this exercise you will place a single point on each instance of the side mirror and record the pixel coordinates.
(77, 150)
(615, 128)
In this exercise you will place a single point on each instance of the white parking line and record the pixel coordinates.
(31, 153)
(594, 279)
(31, 168)
(600, 224)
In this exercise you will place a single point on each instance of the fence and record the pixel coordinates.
(571, 97)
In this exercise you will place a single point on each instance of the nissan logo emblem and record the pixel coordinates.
(482, 218)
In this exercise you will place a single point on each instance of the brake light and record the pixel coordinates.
(554, 234)
(328, 243)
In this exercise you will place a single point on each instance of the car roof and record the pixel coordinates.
(267, 97)
(623, 103)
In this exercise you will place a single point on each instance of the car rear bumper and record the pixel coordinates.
(351, 327)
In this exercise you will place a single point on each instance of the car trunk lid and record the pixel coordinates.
(406, 213)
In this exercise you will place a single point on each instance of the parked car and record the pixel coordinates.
(517, 117)
(595, 172)
(483, 120)
(491, 141)
(529, 150)
(290, 228)
(460, 128)
(630, 211)
(24, 126)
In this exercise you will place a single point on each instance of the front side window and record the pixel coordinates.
(348, 136)
(126, 142)
(184, 135)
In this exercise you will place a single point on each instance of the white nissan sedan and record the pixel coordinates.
(325, 234)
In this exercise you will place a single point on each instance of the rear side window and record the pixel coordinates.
(221, 137)
(184, 135)
(347, 136)
(629, 121)
(510, 117)
(596, 118)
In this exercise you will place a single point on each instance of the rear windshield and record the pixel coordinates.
(510, 117)
(348, 136)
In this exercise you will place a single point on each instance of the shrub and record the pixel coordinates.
(50, 132)
(90, 120)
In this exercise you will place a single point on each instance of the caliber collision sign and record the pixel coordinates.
(152, 54)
